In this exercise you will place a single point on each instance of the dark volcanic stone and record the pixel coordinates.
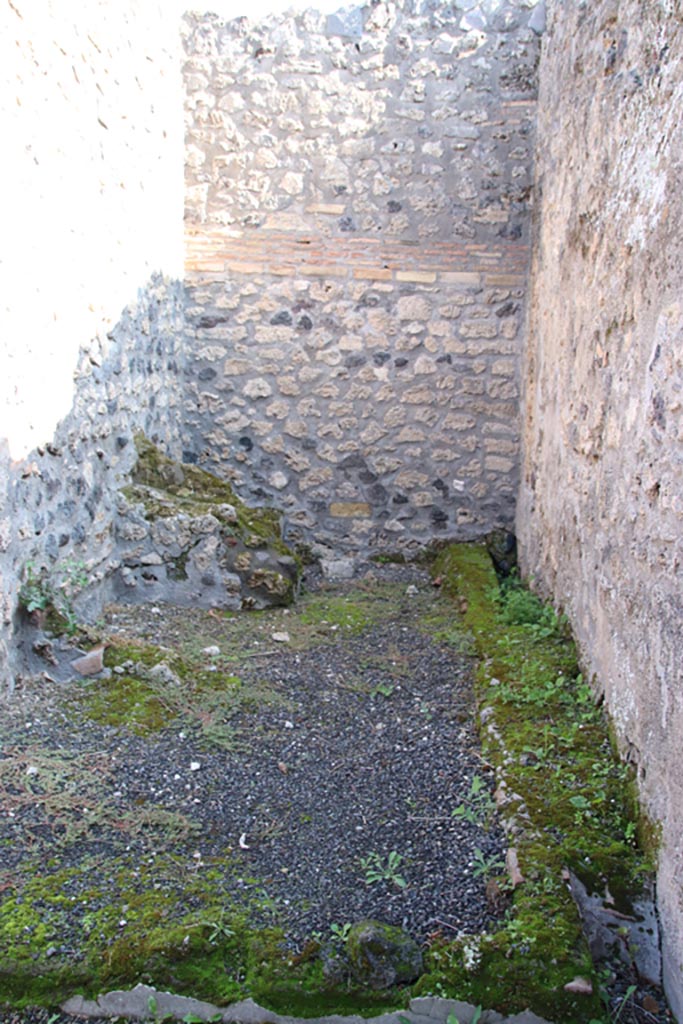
(207, 322)
(381, 955)
(502, 547)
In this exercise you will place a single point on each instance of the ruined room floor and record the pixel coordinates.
(209, 813)
(350, 735)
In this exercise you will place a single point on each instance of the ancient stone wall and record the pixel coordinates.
(601, 507)
(357, 206)
(92, 309)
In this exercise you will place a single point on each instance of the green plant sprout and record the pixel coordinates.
(616, 1016)
(42, 589)
(520, 607)
(452, 1019)
(377, 870)
(218, 928)
(479, 806)
(484, 866)
(35, 593)
(341, 931)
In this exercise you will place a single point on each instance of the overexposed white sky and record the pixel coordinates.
(255, 9)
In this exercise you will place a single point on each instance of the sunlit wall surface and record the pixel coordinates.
(91, 105)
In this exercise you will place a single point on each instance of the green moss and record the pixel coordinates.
(166, 487)
(525, 964)
(442, 623)
(294, 984)
(133, 927)
(156, 924)
(124, 700)
(336, 612)
(203, 701)
(32, 922)
(648, 831)
(350, 613)
(551, 745)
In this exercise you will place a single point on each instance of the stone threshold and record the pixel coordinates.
(146, 1003)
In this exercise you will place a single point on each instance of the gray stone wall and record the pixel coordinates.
(58, 507)
(91, 317)
(357, 219)
(601, 507)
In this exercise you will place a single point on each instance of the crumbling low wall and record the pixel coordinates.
(185, 538)
(59, 506)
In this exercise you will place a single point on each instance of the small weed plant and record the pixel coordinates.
(218, 929)
(483, 866)
(476, 1017)
(56, 588)
(377, 869)
(35, 593)
(517, 606)
(613, 1017)
(478, 806)
(341, 931)
(383, 690)
(540, 752)
(453, 1019)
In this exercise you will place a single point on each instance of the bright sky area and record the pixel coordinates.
(260, 8)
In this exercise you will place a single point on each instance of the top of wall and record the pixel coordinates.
(324, 120)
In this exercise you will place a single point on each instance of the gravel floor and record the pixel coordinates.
(366, 746)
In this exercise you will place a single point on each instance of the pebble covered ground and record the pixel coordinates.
(357, 742)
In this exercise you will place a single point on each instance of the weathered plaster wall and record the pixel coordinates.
(601, 508)
(357, 208)
(91, 308)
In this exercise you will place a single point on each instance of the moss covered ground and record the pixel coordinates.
(101, 899)
(570, 801)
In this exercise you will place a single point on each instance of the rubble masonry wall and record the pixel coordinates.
(357, 242)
